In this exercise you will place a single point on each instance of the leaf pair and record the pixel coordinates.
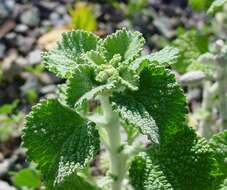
(70, 52)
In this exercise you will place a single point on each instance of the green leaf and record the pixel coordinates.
(185, 162)
(59, 141)
(216, 6)
(191, 45)
(135, 114)
(199, 5)
(162, 98)
(83, 17)
(78, 84)
(94, 57)
(63, 59)
(167, 56)
(145, 174)
(82, 105)
(76, 183)
(126, 43)
(27, 178)
(8, 108)
(219, 144)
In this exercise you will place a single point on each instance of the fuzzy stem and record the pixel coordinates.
(222, 83)
(206, 123)
(118, 160)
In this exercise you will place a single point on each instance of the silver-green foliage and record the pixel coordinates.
(109, 87)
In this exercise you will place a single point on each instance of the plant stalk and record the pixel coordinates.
(205, 125)
(222, 84)
(118, 160)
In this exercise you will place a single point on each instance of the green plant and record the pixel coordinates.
(83, 17)
(200, 5)
(191, 45)
(116, 97)
(28, 177)
(9, 120)
(213, 66)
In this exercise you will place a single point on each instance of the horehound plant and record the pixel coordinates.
(210, 70)
(115, 97)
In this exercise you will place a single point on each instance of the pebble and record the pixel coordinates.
(34, 57)
(61, 10)
(21, 28)
(2, 50)
(25, 43)
(30, 17)
(6, 186)
(21, 62)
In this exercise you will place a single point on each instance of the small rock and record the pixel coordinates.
(6, 186)
(46, 23)
(21, 28)
(11, 37)
(34, 57)
(30, 17)
(55, 18)
(25, 43)
(48, 89)
(61, 10)
(5, 8)
(192, 78)
(2, 50)
(21, 62)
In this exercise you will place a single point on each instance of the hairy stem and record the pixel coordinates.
(222, 83)
(206, 123)
(118, 160)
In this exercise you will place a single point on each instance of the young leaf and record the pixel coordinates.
(126, 43)
(166, 56)
(82, 105)
(63, 59)
(27, 178)
(95, 58)
(135, 113)
(77, 85)
(59, 146)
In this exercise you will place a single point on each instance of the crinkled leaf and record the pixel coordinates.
(185, 162)
(76, 183)
(82, 105)
(94, 57)
(135, 114)
(162, 98)
(219, 144)
(63, 59)
(216, 6)
(59, 141)
(145, 174)
(166, 56)
(126, 43)
(78, 84)
(191, 44)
